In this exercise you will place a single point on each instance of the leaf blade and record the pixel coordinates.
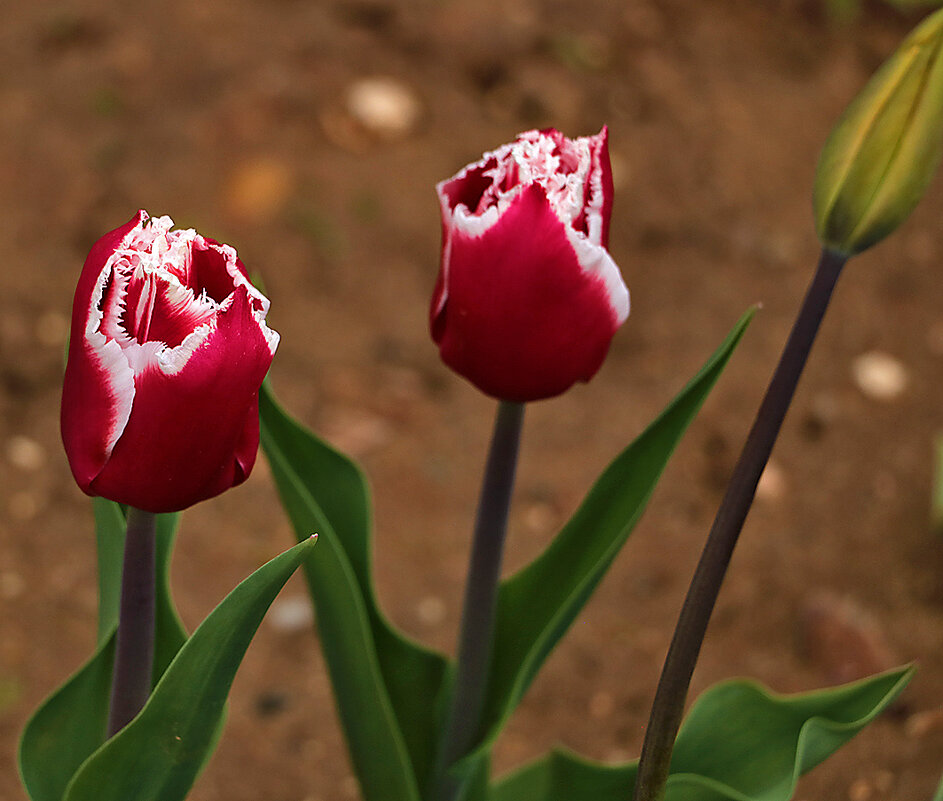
(709, 764)
(158, 755)
(378, 674)
(72, 722)
(537, 604)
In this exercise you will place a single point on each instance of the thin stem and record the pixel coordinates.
(481, 591)
(668, 706)
(134, 649)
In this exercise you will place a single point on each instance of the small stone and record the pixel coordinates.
(920, 724)
(257, 189)
(772, 485)
(540, 517)
(291, 615)
(601, 705)
(879, 375)
(431, 610)
(860, 790)
(25, 453)
(384, 106)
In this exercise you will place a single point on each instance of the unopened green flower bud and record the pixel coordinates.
(881, 155)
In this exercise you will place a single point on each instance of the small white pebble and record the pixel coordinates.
(431, 610)
(879, 375)
(25, 453)
(290, 615)
(384, 106)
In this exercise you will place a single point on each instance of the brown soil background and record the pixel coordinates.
(230, 116)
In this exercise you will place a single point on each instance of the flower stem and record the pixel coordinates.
(481, 592)
(134, 649)
(668, 706)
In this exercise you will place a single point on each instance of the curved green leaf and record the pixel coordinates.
(158, 755)
(67, 727)
(72, 723)
(537, 605)
(383, 682)
(740, 742)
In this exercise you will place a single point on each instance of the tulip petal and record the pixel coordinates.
(189, 435)
(98, 390)
(168, 351)
(522, 311)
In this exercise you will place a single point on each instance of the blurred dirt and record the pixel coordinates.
(310, 135)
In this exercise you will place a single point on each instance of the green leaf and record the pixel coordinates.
(938, 795)
(383, 682)
(537, 605)
(740, 742)
(69, 726)
(72, 723)
(158, 755)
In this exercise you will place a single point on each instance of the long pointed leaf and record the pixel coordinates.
(158, 755)
(537, 605)
(382, 680)
(740, 742)
(67, 727)
(72, 722)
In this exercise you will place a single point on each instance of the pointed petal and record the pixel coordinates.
(193, 431)
(98, 388)
(524, 314)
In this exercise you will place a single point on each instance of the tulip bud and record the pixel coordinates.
(168, 350)
(528, 298)
(881, 155)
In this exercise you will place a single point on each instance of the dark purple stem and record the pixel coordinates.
(481, 593)
(668, 706)
(134, 649)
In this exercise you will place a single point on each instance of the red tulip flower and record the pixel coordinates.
(168, 350)
(528, 297)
